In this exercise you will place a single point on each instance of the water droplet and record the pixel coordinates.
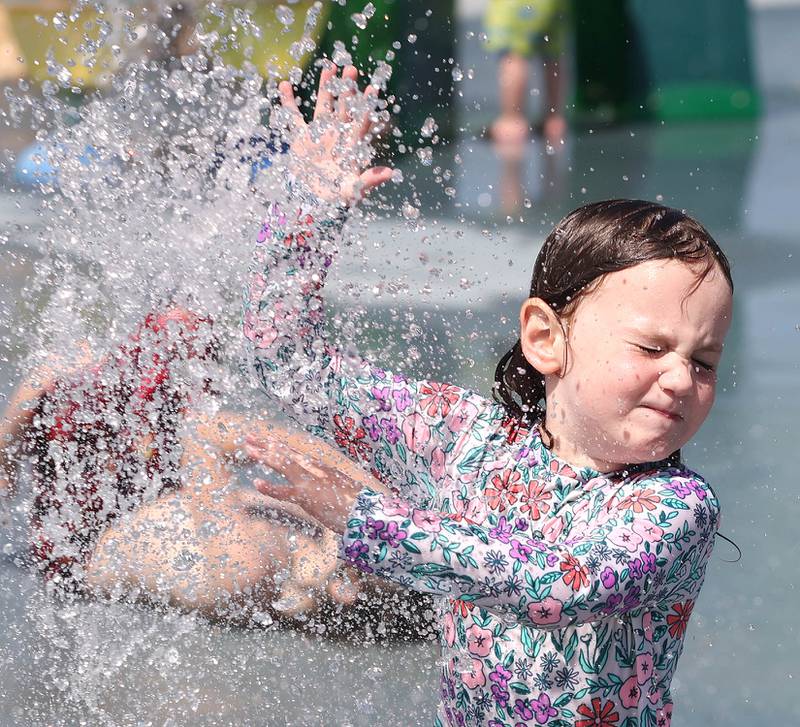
(457, 73)
(60, 21)
(359, 19)
(412, 38)
(285, 15)
(429, 127)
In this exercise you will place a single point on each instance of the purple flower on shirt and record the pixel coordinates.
(374, 527)
(631, 599)
(523, 708)
(501, 696)
(698, 490)
(552, 559)
(612, 603)
(635, 569)
(648, 562)
(542, 709)
(356, 550)
(520, 524)
(679, 488)
(402, 399)
(390, 429)
(500, 676)
(373, 428)
(520, 551)
(392, 534)
(381, 394)
(502, 532)
(608, 577)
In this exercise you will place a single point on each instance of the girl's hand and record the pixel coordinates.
(323, 490)
(332, 154)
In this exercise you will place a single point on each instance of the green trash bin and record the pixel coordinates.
(422, 81)
(687, 59)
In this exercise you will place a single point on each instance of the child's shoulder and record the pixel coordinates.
(674, 486)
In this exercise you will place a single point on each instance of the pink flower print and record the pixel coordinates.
(426, 520)
(370, 423)
(437, 464)
(262, 333)
(545, 612)
(479, 641)
(502, 531)
(449, 629)
(390, 430)
(437, 399)
(377, 373)
(463, 417)
(551, 530)
(630, 693)
(625, 538)
(476, 511)
(416, 432)
(475, 677)
(402, 399)
(520, 551)
(654, 695)
(644, 668)
(381, 395)
(395, 506)
(542, 709)
(534, 499)
(664, 716)
(608, 577)
(649, 531)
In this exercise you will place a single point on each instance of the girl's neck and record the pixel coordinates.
(563, 448)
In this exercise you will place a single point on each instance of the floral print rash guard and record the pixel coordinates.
(565, 593)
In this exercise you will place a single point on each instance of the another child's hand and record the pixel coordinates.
(323, 490)
(332, 154)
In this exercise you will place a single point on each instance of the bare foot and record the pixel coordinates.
(510, 129)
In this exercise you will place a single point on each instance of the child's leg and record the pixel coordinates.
(512, 124)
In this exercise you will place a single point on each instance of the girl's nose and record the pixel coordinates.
(676, 375)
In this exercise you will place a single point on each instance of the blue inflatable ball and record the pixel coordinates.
(33, 167)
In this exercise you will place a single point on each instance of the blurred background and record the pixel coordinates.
(505, 122)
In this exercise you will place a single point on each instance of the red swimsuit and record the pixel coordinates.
(106, 440)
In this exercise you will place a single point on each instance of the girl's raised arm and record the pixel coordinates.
(651, 548)
(374, 416)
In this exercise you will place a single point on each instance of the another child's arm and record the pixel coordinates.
(16, 419)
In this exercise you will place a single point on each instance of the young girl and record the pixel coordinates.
(568, 539)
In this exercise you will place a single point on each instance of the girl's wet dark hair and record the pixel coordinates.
(593, 240)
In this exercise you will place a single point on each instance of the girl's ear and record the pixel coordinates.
(542, 337)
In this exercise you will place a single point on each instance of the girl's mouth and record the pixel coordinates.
(672, 415)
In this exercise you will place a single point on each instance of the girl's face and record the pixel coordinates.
(640, 377)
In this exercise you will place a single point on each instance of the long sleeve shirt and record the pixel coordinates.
(565, 592)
